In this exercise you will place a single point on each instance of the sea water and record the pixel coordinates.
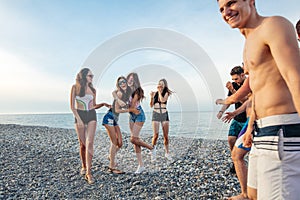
(183, 124)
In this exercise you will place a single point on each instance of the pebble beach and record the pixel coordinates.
(43, 163)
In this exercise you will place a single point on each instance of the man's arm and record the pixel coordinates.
(285, 51)
(248, 137)
(240, 94)
(230, 115)
(222, 110)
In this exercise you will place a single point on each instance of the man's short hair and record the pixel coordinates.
(298, 27)
(237, 70)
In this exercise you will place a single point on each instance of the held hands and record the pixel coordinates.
(101, 105)
(107, 105)
(97, 106)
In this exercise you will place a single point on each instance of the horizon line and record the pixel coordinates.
(57, 113)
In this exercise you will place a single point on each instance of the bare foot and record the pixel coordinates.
(115, 164)
(239, 197)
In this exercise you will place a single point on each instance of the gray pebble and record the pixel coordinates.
(44, 163)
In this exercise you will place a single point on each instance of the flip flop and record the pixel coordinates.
(115, 171)
(90, 179)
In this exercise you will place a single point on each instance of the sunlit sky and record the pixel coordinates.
(44, 44)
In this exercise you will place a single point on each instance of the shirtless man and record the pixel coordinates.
(271, 54)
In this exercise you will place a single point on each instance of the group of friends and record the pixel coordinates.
(127, 99)
(266, 119)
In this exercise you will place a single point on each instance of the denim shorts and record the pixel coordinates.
(235, 128)
(110, 119)
(138, 118)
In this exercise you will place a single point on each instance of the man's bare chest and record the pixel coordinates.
(255, 53)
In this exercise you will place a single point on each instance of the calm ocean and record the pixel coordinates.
(183, 124)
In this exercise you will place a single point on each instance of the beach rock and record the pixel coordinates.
(44, 163)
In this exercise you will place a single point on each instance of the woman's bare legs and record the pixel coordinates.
(115, 136)
(241, 169)
(155, 127)
(165, 128)
(80, 130)
(135, 129)
(86, 136)
(90, 134)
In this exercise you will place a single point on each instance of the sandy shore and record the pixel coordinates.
(43, 163)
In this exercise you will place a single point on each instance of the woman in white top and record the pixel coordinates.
(83, 105)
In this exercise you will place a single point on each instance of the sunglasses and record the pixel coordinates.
(91, 75)
(122, 81)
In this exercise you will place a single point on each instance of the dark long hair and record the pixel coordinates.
(137, 89)
(81, 82)
(166, 88)
(125, 94)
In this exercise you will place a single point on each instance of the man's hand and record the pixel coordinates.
(220, 101)
(229, 86)
(219, 115)
(247, 140)
(228, 117)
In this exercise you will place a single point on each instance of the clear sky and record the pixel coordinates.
(44, 43)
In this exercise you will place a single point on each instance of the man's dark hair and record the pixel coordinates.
(298, 27)
(237, 70)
